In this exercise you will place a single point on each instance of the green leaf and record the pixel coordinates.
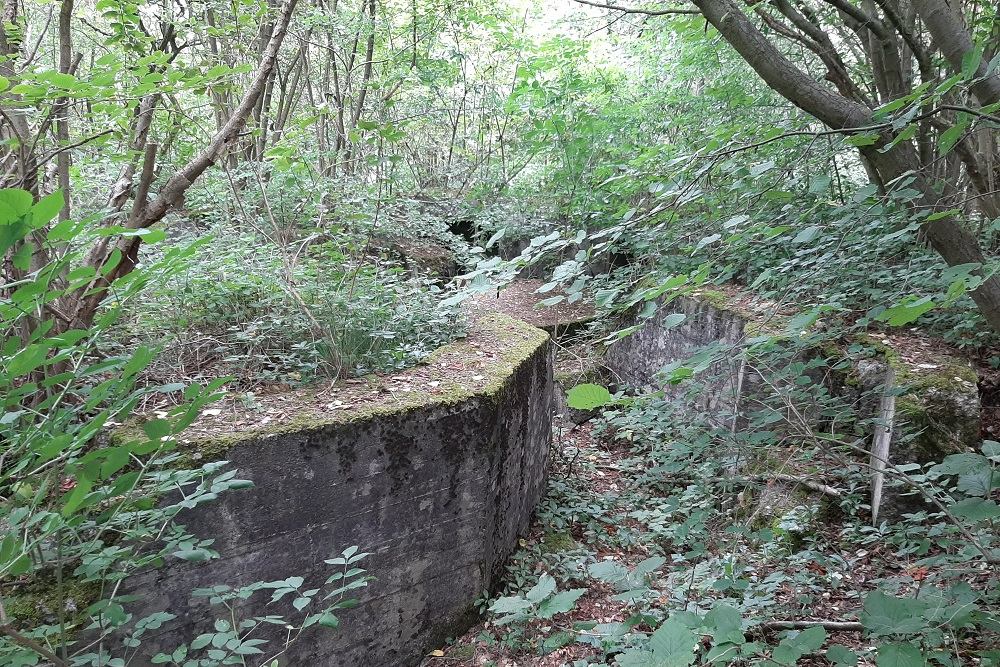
(841, 655)
(27, 360)
(587, 397)
(900, 655)
(971, 62)
(46, 209)
(884, 615)
(546, 586)
(807, 234)
(510, 605)
(906, 312)
(673, 644)
(672, 320)
(976, 509)
(949, 138)
(328, 620)
(193, 555)
(959, 464)
(859, 140)
(13, 560)
(943, 214)
(991, 449)
(820, 184)
(156, 429)
(636, 658)
(811, 639)
(560, 603)
(19, 201)
(723, 620)
(115, 459)
(708, 240)
(77, 496)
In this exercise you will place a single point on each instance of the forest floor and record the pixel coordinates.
(610, 500)
(595, 481)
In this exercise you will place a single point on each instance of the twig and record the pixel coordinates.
(818, 487)
(29, 643)
(632, 10)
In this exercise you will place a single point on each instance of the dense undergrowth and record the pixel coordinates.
(653, 541)
(202, 201)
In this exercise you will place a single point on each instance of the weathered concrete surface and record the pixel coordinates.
(937, 412)
(438, 492)
(638, 359)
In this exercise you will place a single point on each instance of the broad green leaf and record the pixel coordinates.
(976, 509)
(27, 360)
(673, 644)
(900, 655)
(841, 655)
(907, 312)
(510, 605)
(560, 603)
(807, 234)
(46, 209)
(587, 397)
(885, 615)
(546, 586)
(960, 464)
(18, 201)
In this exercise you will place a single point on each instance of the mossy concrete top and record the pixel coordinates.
(475, 366)
(920, 363)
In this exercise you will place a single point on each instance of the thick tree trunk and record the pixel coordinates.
(950, 34)
(955, 244)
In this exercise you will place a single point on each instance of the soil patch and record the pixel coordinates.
(521, 299)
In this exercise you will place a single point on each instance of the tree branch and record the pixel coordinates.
(634, 10)
(848, 626)
(31, 644)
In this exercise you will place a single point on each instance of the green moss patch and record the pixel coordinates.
(37, 602)
(557, 542)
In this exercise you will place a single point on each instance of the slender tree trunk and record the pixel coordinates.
(85, 302)
(62, 105)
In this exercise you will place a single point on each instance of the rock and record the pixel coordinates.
(426, 257)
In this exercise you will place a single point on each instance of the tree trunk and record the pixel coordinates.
(951, 35)
(62, 111)
(955, 244)
(86, 301)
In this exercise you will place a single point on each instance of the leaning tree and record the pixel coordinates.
(913, 84)
(27, 116)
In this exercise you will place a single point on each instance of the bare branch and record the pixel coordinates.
(635, 10)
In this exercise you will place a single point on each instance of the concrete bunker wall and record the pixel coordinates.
(935, 397)
(637, 359)
(438, 492)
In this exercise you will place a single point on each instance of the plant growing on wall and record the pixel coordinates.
(88, 497)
